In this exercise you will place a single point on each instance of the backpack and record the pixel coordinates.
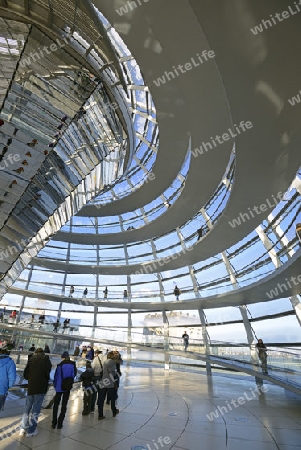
(67, 383)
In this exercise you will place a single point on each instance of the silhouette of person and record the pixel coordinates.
(262, 354)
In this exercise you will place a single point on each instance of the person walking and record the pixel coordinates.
(65, 325)
(63, 381)
(85, 293)
(200, 233)
(42, 319)
(8, 373)
(118, 361)
(185, 338)
(71, 291)
(87, 382)
(125, 295)
(46, 349)
(56, 326)
(97, 368)
(177, 292)
(32, 349)
(262, 354)
(108, 386)
(37, 372)
(105, 293)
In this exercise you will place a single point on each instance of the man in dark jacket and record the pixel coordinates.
(37, 372)
(32, 349)
(66, 369)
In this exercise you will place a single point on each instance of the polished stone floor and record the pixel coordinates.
(170, 410)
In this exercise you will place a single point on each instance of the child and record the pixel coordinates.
(87, 383)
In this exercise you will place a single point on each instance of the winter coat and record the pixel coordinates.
(37, 372)
(76, 351)
(7, 373)
(109, 373)
(118, 361)
(97, 366)
(65, 369)
(87, 377)
(262, 350)
(90, 354)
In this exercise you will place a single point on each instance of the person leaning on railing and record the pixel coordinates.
(262, 354)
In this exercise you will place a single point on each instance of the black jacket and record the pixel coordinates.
(87, 377)
(37, 372)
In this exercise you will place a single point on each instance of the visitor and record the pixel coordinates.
(65, 325)
(76, 351)
(85, 293)
(13, 315)
(90, 353)
(8, 373)
(97, 368)
(32, 350)
(87, 382)
(177, 292)
(56, 326)
(71, 292)
(262, 354)
(105, 293)
(185, 338)
(46, 349)
(84, 352)
(37, 372)
(109, 381)
(125, 295)
(200, 233)
(42, 319)
(63, 381)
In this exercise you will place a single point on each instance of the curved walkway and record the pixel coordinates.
(292, 265)
(268, 153)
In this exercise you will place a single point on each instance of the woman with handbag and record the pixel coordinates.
(63, 382)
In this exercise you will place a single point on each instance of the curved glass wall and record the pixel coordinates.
(120, 126)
